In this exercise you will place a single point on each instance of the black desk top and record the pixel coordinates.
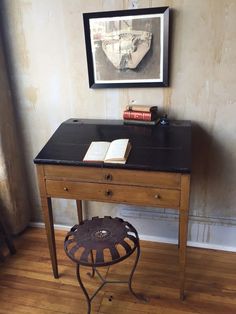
(160, 148)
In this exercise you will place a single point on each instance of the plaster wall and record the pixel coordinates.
(46, 50)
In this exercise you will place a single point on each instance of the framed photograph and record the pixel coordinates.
(127, 48)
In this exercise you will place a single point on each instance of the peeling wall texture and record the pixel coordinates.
(47, 58)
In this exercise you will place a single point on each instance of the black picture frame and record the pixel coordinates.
(127, 48)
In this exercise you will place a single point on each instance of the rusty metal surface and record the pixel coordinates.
(96, 235)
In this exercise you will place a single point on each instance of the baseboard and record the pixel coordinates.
(201, 245)
(56, 226)
(168, 240)
(162, 225)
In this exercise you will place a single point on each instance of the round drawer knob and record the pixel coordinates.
(66, 189)
(108, 193)
(157, 196)
(108, 177)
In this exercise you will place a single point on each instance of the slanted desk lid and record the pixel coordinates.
(161, 148)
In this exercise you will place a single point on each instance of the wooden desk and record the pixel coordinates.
(156, 174)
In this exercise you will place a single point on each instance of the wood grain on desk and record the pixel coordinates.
(118, 186)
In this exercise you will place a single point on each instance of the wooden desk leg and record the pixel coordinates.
(48, 219)
(183, 229)
(79, 210)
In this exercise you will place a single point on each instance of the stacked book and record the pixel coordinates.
(141, 114)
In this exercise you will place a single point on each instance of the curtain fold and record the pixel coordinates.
(14, 200)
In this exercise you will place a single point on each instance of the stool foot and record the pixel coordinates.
(91, 275)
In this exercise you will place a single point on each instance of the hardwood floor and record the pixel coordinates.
(27, 284)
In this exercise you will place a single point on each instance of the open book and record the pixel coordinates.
(115, 152)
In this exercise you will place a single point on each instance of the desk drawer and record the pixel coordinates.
(142, 178)
(73, 173)
(113, 176)
(136, 195)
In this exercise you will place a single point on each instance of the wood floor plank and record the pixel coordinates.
(27, 285)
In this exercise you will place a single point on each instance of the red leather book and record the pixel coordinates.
(139, 115)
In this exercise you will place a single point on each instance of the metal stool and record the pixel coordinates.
(92, 237)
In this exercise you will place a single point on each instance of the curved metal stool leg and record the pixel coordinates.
(91, 275)
(137, 296)
(83, 288)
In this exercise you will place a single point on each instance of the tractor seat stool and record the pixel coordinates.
(85, 244)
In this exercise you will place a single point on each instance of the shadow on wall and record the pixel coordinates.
(211, 190)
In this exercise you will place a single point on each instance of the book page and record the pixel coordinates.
(96, 151)
(117, 151)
